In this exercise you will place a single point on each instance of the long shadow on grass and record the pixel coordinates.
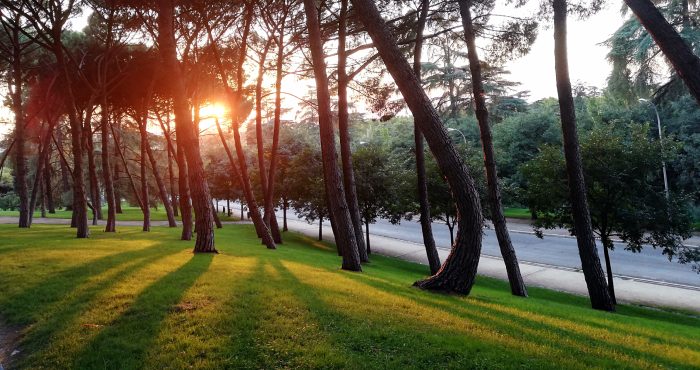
(523, 328)
(125, 343)
(23, 307)
(64, 313)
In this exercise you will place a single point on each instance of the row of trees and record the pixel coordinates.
(196, 53)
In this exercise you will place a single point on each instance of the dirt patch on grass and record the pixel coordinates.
(9, 344)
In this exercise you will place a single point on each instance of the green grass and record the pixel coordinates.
(143, 300)
(129, 214)
(521, 213)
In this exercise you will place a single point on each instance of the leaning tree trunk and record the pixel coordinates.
(421, 177)
(337, 205)
(199, 189)
(111, 225)
(590, 262)
(344, 133)
(65, 172)
(162, 191)
(517, 285)
(120, 152)
(38, 174)
(681, 56)
(458, 272)
(171, 181)
(607, 245)
(217, 221)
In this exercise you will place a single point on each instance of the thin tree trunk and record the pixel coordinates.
(320, 228)
(338, 208)
(517, 285)
(20, 170)
(119, 150)
(47, 183)
(184, 192)
(145, 205)
(111, 225)
(681, 56)
(369, 248)
(422, 179)
(344, 133)
(79, 193)
(201, 199)
(607, 245)
(284, 215)
(171, 181)
(217, 220)
(458, 272)
(163, 192)
(117, 188)
(590, 262)
(65, 173)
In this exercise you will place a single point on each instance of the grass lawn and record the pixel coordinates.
(521, 213)
(143, 300)
(129, 214)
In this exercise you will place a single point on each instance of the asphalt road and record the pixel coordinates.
(558, 251)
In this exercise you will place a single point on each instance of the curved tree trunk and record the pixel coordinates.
(111, 225)
(517, 285)
(344, 133)
(458, 272)
(337, 205)
(422, 181)
(199, 189)
(681, 56)
(590, 262)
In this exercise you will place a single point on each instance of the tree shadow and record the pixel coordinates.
(125, 342)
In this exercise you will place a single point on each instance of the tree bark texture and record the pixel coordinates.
(517, 285)
(458, 272)
(344, 133)
(199, 189)
(338, 208)
(681, 56)
(421, 177)
(590, 262)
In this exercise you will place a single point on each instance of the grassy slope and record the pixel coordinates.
(129, 214)
(134, 299)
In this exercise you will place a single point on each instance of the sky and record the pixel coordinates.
(535, 71)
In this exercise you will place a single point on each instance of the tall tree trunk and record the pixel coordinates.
(117, 188)
(285, 205)
(320, 228)
(235, 100)
(337, 205)
(47, 183)
(92, 169)
(458, 272)
(162, 191)
(590, 262)
(344, 133)
(369, 248)
(422, 178)
(145, 203)
(65, 172)
(270, 217)
(111, 225)
(171, 178)
(184, 191)
(79, 193)
(681, 56)
(201, 199)
(120, 151)
(517, 285)
(20, 170)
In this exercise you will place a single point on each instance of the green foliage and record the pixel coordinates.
(9, 201)
(625, 190)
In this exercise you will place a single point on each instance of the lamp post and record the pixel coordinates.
(460, 132)
(658, 125)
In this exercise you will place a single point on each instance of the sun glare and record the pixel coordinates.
(213, 110)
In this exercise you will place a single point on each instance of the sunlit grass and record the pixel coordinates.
(143, 300)
(128, 214)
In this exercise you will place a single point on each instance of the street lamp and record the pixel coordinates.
(460, 132)
(658, 125)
